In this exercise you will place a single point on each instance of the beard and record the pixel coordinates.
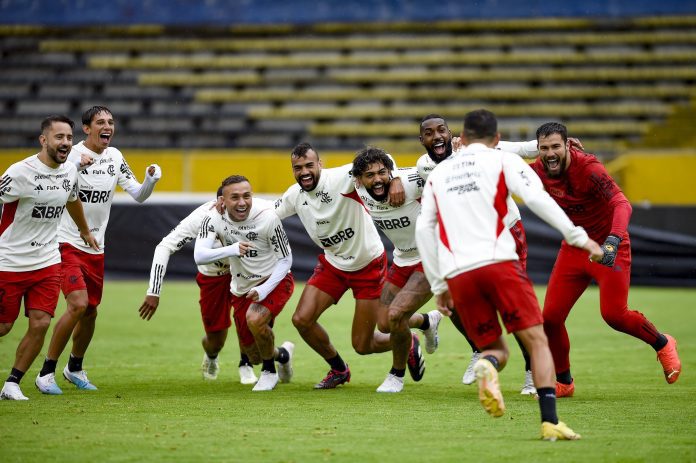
(377, 197)
(437, 159)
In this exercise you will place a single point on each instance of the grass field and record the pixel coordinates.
(152, 404)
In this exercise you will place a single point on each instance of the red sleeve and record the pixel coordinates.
(605, 189)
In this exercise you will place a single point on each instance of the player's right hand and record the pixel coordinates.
(85, 160)
(444, 303)
(610, 248)
(149, 306)
(90, 240)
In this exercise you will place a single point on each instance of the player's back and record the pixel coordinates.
(471, 197)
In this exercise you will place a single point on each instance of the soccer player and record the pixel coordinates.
(436, 138)
(34, 193)
(259, 255)
(406, 288)
(354, 258)
(82, 267)
(469, 256)
(580, 184)
(214, 286)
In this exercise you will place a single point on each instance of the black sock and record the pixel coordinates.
(49, 366)
(243, 360)
(547, 404)
(15, 376)
(494, 361)
(75, 363)
(283, 355)
(525, 354)
(426, 322)
(398, 373)
(458, 324)
(337, 363)
(660, 342)
(269, 366)
(564, 377)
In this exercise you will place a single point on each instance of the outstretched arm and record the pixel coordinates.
(140, 192)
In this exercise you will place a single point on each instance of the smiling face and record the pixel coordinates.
(56, 142)
(436, 138)
(237, 200)
(376, 180)
(553, 152)
(306, 169)
(100, 131)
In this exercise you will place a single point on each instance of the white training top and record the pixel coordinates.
(97, 185)
(465, 198)
(525, 149)
(261, 268)
(335, 219)
(34, 197)
(399, 223)
(186, 231)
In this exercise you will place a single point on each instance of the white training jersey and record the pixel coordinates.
(399, 223)
(461, 224)
(335, 219)
(525, 149)
(266, 233)
(97, 185)
(33, 197)
(186, 231)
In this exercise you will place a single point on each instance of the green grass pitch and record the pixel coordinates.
(153, 405)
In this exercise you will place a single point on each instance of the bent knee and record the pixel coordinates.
(5, 328)
(302, 323)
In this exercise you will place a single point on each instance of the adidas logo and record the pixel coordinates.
(38, 188)
(305, 203)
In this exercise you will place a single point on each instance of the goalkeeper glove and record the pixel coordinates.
(610, 248)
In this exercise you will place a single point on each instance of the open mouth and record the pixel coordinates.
(378, 189)
(553, 163)
(306, 181)
(439, 148)
(64, 150)
(105, 137)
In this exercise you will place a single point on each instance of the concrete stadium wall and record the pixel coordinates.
(222, 12)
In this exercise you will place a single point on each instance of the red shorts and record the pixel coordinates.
(480, 293)
(215, 301)
(520, 237)
(398, 276)
(81, 270)
(274, 302)
(366, 283)
(39, 289)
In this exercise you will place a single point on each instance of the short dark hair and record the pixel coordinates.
(88, 115)
(219, 191)
(300, 151)
(432, 116)
(231, 180)
(550, 128)
(48, 122)
(370, 155)
(480, 124)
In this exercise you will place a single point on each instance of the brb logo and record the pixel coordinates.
(94, 196)
(338, 238)
(47, 212)
(392, 224)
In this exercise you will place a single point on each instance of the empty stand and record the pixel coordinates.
(343, 85)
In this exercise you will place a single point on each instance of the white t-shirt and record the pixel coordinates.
(464, 202)
(185, 231)
(263, 229)
(97, 185)
(335, 219)
(399, 223)
(34, 197)
(525, 149)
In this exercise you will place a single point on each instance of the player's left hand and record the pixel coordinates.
(610, 248)
(85, 160)
(444, 303)
(253, 295)
(148, 307)
(154, 172)
(575, 143)
(90, 240)
(397, 195)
